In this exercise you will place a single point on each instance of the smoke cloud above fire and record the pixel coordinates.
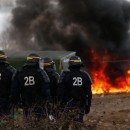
(77, 25)
(72, 24)
(105, 22)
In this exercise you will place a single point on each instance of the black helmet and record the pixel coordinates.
(3, 56)
(75, 61)
(33, 58)
(49, 62)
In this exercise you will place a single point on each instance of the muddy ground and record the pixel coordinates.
(109, 112)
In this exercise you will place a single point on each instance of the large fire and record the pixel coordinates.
(101, 82)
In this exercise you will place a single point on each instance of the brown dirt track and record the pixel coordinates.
(109, 112)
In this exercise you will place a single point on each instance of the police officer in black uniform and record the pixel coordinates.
(75, 87)
(6, 74)
(50, 68)
(32, 84)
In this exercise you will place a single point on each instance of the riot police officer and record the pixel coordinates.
(50, 68)
(75, 87)
(6, 74)
(32, 84)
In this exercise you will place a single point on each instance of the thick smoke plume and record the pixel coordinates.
(105, 22)
(96, 24)
(35, 24)
(98, 30)
(77, 25)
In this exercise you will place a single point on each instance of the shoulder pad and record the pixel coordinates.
(64, 72)
(11, 68)
(15, 74)
(39, 70)
(62, 75)
(57, 76)
(87, 74)
(45, 76)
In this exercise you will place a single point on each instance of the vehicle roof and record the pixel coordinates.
(24, 54)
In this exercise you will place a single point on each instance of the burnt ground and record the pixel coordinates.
(109, 112)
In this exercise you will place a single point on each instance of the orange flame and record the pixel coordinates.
(101, 82)
(128, 71)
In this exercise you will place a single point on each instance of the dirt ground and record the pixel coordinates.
(109, 112)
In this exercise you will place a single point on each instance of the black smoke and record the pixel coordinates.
(33, 23)
(105, 22)
(96, 24)
(76, 25)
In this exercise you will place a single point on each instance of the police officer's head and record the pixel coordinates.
(75, 62)
(33, 59)
(3, 56)
(49, 64)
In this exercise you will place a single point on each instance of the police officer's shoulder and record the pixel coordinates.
(11, 68)
(44, 74)
(16, 74)
(63, 74)
(56, 75)
(24, 66)
(87, 75)
(39, 70)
